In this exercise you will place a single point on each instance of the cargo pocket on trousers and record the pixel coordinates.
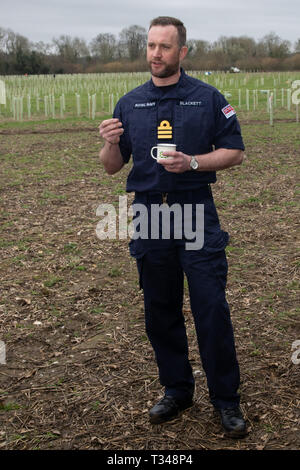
(218, 262)
(216, 242)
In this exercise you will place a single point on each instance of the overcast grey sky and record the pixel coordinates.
(39, 20)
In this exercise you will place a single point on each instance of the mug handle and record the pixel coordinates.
(153, 148)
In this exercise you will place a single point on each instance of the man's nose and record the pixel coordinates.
(157, 52)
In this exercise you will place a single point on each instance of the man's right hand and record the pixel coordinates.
(111, 130)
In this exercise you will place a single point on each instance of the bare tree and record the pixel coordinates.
(104, 47)
(71, 49)
(274, 46)
(42, 47)
(11, 42)
(198, 48)
(297, 46)
(133, 41)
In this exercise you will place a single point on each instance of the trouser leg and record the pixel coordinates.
(206, 275)
(162, 281)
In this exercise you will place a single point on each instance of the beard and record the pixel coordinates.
(166, 71)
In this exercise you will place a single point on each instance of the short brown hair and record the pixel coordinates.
(169, 20)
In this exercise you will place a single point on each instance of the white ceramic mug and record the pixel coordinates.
(161, 148)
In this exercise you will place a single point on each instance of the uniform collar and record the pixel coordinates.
(183, 88)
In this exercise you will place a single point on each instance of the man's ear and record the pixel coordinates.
(183, 52)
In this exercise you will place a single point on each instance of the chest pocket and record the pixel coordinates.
(197, 131)
(142, 130)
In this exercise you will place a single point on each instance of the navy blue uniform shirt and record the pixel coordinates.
(192, 114)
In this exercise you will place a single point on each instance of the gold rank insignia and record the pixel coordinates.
(164, 130)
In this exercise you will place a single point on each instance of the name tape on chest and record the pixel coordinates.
(145, 105)
(190, 103)
(228, 111)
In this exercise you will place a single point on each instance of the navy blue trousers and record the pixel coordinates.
(161, 271)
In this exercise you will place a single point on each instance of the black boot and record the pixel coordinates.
(233, 422)
(168, 408)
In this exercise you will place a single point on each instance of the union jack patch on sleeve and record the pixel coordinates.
(228, 111)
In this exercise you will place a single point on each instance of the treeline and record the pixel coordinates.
(126, 53)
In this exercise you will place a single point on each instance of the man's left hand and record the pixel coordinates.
(177, 162)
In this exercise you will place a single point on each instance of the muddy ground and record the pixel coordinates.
(79, 372)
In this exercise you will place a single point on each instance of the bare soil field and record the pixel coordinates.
(79, 371)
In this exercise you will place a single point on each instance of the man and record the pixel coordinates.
(173, 107)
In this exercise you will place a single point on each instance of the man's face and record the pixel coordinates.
(163, 51)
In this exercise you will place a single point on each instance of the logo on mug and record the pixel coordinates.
(160, 149)
(164, 130)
